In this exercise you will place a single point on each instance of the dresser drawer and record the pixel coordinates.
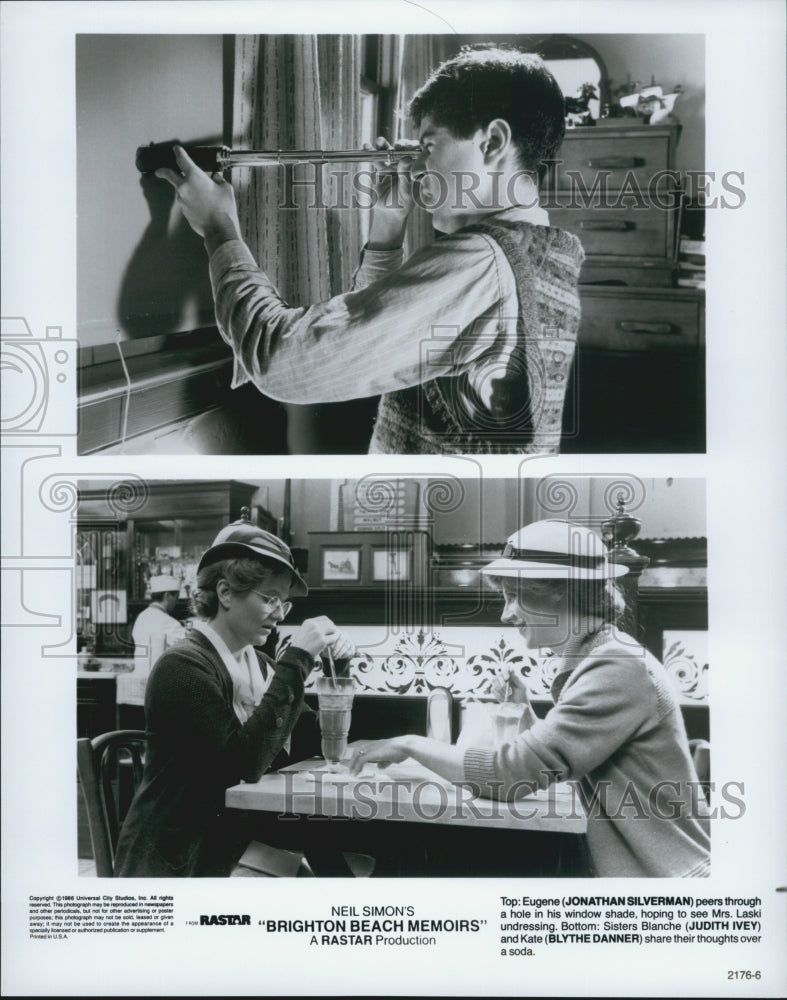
(642, 272)
(619, 232)
(640, 320)
(613, 158)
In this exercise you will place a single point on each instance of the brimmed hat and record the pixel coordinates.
(241, 540)
(164, 585)
(555, 550)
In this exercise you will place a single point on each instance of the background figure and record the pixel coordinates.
(156, 620)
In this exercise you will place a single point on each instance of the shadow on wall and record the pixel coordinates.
(165, 287)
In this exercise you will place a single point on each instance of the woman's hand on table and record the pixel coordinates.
(442, 758)
(509, 682)
(381, 752)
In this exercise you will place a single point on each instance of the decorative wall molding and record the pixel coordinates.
(686, 662)
(466, 661)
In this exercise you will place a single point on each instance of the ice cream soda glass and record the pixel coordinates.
(335, 701)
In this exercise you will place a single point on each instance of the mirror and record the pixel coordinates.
(577, 67)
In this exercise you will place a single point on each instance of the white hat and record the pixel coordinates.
(555, 550)
(164, 585)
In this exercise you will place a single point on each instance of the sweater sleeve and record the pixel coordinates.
(398, 322)
(602, 706)
(187, 704)
(375, 265)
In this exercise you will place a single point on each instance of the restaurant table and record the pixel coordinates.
(417, 823)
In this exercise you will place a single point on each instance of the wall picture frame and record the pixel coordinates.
(391, 564)
(372, 560)
(340, 566)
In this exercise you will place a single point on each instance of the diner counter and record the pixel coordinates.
(406, 792)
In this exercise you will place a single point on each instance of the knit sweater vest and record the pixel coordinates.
(433, 418)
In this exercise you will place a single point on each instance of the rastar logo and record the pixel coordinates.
(222, 919)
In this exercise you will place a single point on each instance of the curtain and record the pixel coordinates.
(297, 92)
(415, 57)
(303, 92)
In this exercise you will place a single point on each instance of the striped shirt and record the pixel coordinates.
(403, 323)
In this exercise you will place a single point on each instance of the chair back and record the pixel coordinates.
(100, 764)
(438, 715)
(700, 755)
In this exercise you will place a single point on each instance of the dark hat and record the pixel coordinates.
(555, 549)
(241, 540)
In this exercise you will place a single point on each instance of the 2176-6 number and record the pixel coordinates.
(744, 974)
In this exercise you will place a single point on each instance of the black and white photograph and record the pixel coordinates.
(394, 409)
(520, 268)
(534, 703)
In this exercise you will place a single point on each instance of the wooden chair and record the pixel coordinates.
(103, 763)
(100, 764)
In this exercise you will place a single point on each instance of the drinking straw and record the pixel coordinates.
(508, 691)
(330, 664)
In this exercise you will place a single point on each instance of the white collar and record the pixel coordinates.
(244, 670)
(221, 646)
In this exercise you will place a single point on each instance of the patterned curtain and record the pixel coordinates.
(297, 92)
(303, 92)
(417, 56)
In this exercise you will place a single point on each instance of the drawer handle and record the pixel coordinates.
(616, 162)
(607, 225)
(638, 326)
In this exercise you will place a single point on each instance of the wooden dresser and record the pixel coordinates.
(638, 381)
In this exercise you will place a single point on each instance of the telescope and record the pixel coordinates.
(218, 158)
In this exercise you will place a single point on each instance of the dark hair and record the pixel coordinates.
(470, 90)
(595, 598)
(242, 575)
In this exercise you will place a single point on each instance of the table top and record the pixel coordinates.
(405, 792)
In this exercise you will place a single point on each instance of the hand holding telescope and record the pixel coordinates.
(219, 158)
(207, 199)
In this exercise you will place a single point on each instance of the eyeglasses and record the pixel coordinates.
(274, 603)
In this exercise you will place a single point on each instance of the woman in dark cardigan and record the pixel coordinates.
(218, 711)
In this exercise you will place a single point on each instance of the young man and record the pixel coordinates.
(470, 341)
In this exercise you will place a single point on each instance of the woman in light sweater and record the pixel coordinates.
(616, 729)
